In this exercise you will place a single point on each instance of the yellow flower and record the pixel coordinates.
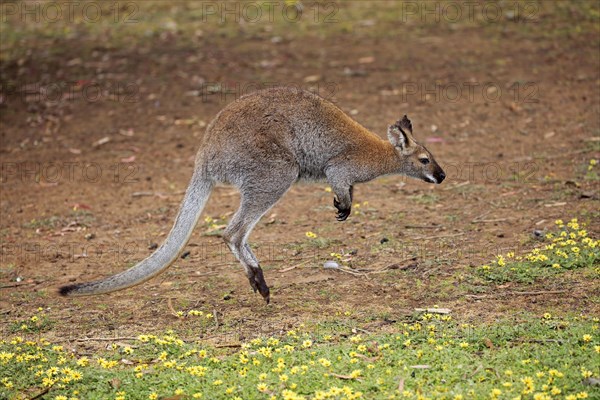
(464, 345)
(310, 235)
(356, 373)
(153, 396)
(307, 343)
(325, 362)
(262, 387)
(587, 338)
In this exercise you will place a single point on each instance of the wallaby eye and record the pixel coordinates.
(424, 160)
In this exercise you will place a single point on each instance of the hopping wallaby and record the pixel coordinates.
(263, 143)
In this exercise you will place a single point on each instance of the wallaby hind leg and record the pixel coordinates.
(254, 204)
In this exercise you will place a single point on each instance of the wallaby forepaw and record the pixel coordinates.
(342, 213)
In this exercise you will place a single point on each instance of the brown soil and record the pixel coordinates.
(514, 165)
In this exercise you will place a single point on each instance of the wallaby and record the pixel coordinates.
(262, 143)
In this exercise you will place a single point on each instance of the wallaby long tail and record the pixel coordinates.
(191, 207)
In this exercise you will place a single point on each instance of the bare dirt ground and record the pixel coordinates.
(515, 141)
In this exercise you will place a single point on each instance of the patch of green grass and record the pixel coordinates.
(591, 170)
(37, 323)
(51, 222)
(426, 356)
(425, 198)
(569, 248)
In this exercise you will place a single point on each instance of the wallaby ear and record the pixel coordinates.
(397, 136)
(405, 124)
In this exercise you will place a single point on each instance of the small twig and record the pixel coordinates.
(362, 330)
(477, 218)
(294, 266)
(421, 227)
(102, 339)
(196, 273)
(16, 284)
(434, 310)
(346, 377)
(438, 236)
(142, 194)
(170, 305)
(349, 271)
(457, 185)
(539, 293)
(232, 345)
(401, 385)
(487, 221)
(479, 368)
(476, 296)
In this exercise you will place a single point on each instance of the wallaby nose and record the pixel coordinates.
(442, 176)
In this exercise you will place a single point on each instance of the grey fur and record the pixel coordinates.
(262, 144)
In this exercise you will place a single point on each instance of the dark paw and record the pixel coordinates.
(257, 281)
(342, 213)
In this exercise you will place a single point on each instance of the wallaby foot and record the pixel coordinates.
(257, 281)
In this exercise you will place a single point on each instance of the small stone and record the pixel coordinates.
(384, 240)
(331, 265)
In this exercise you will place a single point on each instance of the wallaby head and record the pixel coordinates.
(415, 160)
